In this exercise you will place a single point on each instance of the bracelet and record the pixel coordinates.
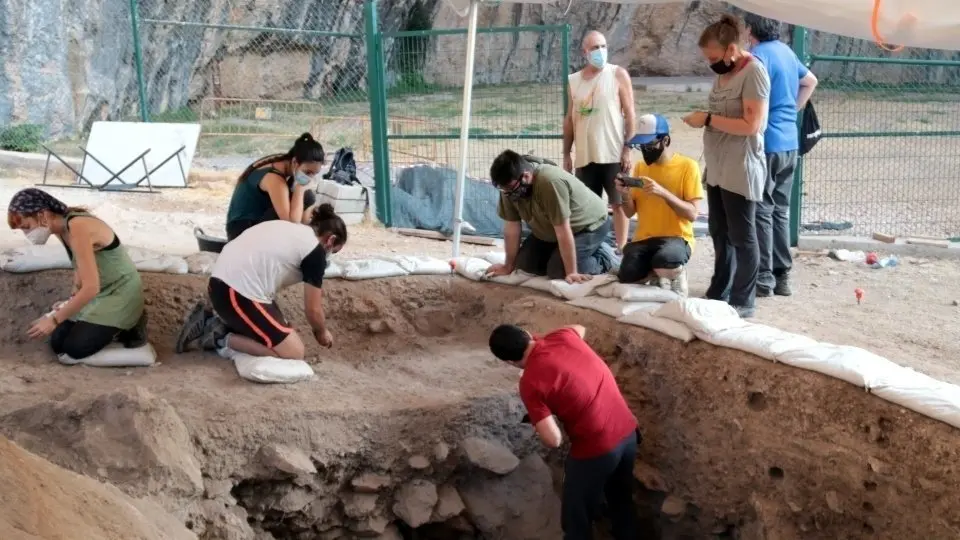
(54, 317)
(708, 119)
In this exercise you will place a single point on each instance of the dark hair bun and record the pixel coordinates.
(304, 138)
(324, 212)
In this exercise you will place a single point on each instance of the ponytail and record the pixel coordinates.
(305, 149)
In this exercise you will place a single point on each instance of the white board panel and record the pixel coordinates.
(117, 143)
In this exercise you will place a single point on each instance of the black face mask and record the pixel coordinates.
(651, 153)
(522, 191)
(721, 67)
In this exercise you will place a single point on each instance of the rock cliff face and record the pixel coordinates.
(67, 64)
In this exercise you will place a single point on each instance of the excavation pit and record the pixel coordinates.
(412, 430)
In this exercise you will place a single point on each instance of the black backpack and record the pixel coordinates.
(343, 168)
(809, 129)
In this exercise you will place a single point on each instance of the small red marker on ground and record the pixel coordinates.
(859, 293)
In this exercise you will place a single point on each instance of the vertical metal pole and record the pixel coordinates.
(138, 61)
(796, 195)
(565, 66)
(465, 125)
(376, 95)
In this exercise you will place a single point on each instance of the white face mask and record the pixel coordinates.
(38, 236)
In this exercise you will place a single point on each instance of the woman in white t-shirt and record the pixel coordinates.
(249, 274)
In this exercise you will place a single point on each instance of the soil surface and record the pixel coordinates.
(40, 501)
(910, 313)
(734, 445)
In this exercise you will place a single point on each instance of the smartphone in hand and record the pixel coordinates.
(632, 181)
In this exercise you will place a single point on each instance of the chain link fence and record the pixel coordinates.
(890, 153)
(518, 102)
(255, 75)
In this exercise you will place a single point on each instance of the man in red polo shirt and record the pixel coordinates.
(564, 377)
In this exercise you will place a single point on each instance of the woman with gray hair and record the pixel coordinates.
(736, 169)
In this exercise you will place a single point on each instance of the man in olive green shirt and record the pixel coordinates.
(569, 223)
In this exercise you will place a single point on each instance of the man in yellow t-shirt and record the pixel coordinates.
(666, 207)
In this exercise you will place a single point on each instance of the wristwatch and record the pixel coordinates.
(707, 121)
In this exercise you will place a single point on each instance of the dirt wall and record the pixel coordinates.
(735, 446)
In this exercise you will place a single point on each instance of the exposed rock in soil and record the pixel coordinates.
(489, 455)
(414, 502)
(39, 500)
(519, 506)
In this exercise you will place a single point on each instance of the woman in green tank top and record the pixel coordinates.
(107, 301)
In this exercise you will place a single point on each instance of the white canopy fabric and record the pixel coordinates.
(933, 24)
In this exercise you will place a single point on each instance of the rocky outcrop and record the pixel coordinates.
(40, 500)
(76, 65)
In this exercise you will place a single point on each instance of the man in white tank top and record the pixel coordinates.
(600, 120)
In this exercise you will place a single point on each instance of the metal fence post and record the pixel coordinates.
(138, 61)
(378, 128)
(796, 196)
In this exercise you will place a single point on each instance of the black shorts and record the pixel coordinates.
(641, 258)
(261, 322)
(600, 177)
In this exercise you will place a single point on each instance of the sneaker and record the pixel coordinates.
(214, 332)
(192, 329)
(764, 292)
(783, 286)
(745, 312)
(679, 283)
(662, 282)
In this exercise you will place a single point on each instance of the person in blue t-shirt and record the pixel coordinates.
(791, 85)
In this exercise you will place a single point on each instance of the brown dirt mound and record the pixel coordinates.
(734, 446)
(39, 500)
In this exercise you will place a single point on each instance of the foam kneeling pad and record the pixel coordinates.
(268, 369)
(115, 355)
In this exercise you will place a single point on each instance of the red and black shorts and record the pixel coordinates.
(261, 322)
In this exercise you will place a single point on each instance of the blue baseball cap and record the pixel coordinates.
(650, 127)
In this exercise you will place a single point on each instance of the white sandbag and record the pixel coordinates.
(704, 317)
(851, 364)
(115, 355)
(646, 319)
(333, 271)
(759, 339)
(494, 257)
(201, 262)
(517, 277)
(416, 265)
(632, 292)
(920, 393)
(612, 307)
(570, 291)
(267, 369)
(472, 268)
(50, 256)
(371, 269)
(147, 260)
(540, 283)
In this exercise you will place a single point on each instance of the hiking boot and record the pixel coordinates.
(764, 292)
(783, 286)
(192, 329)
(679, 283)
(214, 334)
(745, 312)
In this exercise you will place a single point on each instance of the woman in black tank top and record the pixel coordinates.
(275, 187)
